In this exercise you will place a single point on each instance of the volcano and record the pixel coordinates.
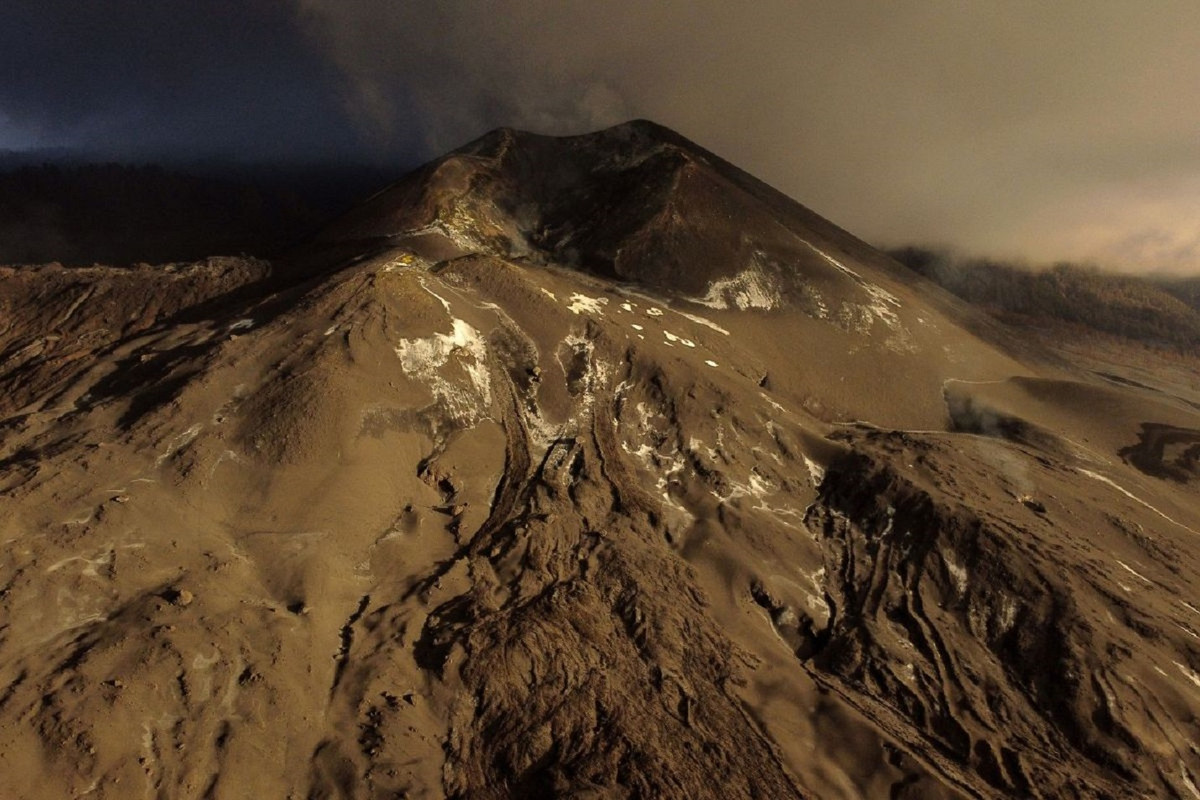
(582, 467)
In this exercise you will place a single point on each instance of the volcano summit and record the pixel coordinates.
(582, 467)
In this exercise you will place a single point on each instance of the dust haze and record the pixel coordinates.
(1031, 130)
(1046, 132)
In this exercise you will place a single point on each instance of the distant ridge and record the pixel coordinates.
(78, 212)
(1155, 310)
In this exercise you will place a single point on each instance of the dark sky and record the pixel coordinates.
(1043, 130)
(172, 79)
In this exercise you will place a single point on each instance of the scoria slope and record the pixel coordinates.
(580, 467)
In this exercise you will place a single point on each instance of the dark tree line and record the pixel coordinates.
(1186, 289)
(1159, 311)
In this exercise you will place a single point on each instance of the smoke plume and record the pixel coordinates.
(1048, 131)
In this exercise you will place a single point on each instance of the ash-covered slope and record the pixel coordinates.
(580, 467)
(636, 202)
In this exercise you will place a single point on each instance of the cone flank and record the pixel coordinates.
(584, 467)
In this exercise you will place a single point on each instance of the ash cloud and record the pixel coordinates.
(1034, 130)
(1047, 131)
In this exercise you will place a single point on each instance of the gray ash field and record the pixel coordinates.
(582, 467)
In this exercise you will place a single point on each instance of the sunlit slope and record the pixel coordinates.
(581, 467)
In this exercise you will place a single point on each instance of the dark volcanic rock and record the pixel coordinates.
(585, 467)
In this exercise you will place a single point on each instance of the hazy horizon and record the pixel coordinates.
(1018, 132)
